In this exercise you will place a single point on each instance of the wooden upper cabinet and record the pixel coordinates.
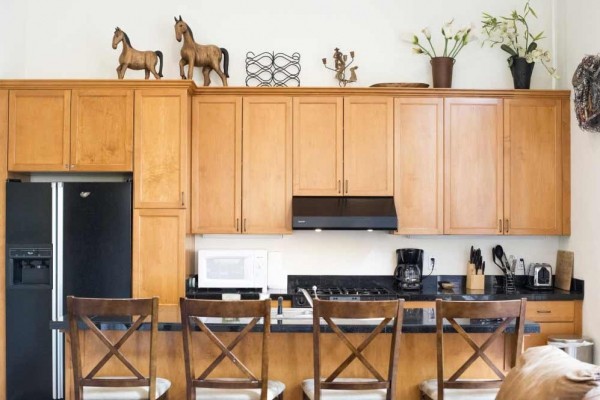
(473, 195)
(39, 130)
(102, 130)
(532, 167)
(419, 160)
(318, 146)
(369, 146)
(160, 159)
(267, 165)
(159, 255)
(216, 164)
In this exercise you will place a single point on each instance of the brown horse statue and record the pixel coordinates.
(136, 59)
(198, 55)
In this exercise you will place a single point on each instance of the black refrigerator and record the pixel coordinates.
(61, 239)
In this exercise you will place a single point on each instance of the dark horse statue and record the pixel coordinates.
(200, 55)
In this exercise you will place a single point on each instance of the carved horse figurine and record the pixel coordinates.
(136, 59)
(198, 55)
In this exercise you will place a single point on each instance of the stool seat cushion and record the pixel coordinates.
(429, 388)
(124, 393)
(330, 394)
(274, 389)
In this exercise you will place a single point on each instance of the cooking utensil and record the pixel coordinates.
(498, 253)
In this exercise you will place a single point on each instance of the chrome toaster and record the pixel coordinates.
(540, 275)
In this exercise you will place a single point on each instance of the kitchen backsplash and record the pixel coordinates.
(373, 253)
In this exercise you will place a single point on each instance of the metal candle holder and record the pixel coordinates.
(341, 66)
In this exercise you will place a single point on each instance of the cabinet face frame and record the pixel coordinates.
(18, 138)
(513, 136)
(318, 121)
(491, 184)
(412, 131)
(122, 132)
(205, 157)
(178, 133)
(260, 158)
(169, 296)
(359, 145)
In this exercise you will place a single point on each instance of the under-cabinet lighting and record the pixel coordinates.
(369, 230)
(318, 230)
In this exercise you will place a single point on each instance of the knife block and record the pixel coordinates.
(474, 282)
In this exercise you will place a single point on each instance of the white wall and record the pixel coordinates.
(72, 39)
(581, 38)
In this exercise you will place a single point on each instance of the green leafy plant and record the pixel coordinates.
(454, 41)
(513, 36)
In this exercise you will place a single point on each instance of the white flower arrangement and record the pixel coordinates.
(461, 38)
(513, 35)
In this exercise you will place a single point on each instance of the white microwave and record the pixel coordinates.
(239, 269)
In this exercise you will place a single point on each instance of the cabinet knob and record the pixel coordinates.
(66, 166)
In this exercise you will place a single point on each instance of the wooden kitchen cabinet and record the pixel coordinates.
(267, 165)
(39, 130)
(368, 146)
(532, 167)
(216, 164)
(473, 166)
(102, 130)
(160, 150)
(419, 165)
(159, 255)
(318, 146)
(555, 318)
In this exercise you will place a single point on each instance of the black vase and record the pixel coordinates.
(521, 71)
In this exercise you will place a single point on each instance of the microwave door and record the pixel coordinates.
(225, 272)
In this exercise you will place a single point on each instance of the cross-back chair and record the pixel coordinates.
(377, 386)
(507, 312)
(252, 387)
(137, 386)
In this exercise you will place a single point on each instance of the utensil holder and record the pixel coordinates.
(509, 283)
(474, 281)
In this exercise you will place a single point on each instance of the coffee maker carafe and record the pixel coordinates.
(409, 269)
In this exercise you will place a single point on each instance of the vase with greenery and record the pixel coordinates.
(513, 35)
(442, 62)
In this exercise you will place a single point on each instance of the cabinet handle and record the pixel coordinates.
(506, 225)
(237, 224)
(245, 230)
(72, 166)
(339, 186)
(346, 186)
(67, 166)
(544, 312)
(500, 225)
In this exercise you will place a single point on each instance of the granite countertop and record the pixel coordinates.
(418, 320)
(494, 289)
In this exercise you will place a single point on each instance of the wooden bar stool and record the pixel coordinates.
(134, 387)
(373, 388)
(454, 388)
(248, 388)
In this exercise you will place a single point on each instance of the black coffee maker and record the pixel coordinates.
(409, 269)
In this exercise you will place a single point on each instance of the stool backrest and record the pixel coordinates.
(508, 311)
(192, 312)
(388, 311)
(83, 310)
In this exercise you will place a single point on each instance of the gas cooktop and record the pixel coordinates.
(344, 294)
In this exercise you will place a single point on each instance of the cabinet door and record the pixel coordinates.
(160, 162)
(532, 167)
(39, 130)
(318, 146)
(102, 130)
(473, 166)
(216, 164)
(419, 159)
(369, 146)
(159, 255)
(267, 165)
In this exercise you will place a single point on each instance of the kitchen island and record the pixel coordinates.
(290, 352)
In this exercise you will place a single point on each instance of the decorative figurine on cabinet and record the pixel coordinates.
(199, 55)
(136, 59)
(340, 67)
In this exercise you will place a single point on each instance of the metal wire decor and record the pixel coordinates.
(272, 69)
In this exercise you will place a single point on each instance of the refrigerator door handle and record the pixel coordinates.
(57, 290)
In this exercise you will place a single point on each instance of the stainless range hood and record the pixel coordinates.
(344, 213)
